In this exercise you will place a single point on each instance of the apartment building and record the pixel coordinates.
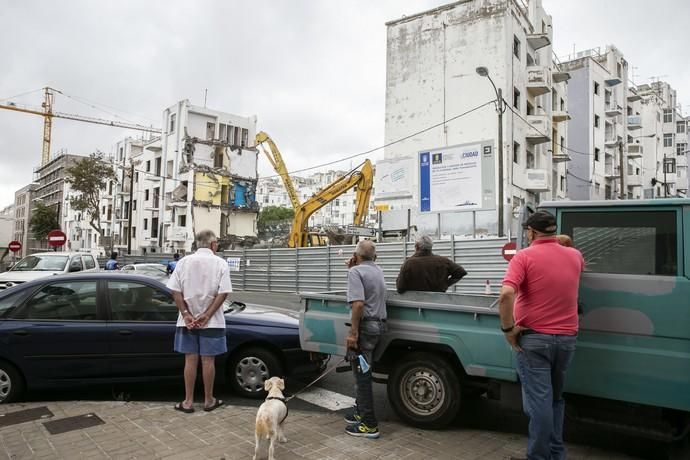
(50, 188)
(7, 216)
(22, 217)
(433, 77)
(664, 138)
(599, 131)
(200, 174)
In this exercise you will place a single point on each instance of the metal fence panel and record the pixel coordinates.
(323, 268)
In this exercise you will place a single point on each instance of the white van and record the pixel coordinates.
(46, 264)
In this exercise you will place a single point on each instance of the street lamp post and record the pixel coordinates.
(500, 108)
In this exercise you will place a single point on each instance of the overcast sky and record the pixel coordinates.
(312, 71)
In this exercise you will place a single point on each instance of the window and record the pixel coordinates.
(562, 182)
(148, 165)
(138, 302)
(680, 148)
(62, 301)
(9, 303)
(236, 135)
(562, 105)
(172, 123)
(680, 127)
(89, 263)
(516, 98)
(218, 159)
(154, 227)
(630, 242)
(146, 195)
(516, 47)
(146, 224)
(597, 188)
(136, 177)
(596, 121)
(134, 232)
(668, 140)
(596, 88)
(529, 156)
(210, 130)
(134, 205)
(516, 153)
(245, 137)
(182, 221)
(158, 166)
(668, 115)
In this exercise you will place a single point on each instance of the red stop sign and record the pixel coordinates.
(56, 238)
(508, 251)
(14, 246)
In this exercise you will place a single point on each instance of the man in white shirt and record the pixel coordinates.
(200, 284)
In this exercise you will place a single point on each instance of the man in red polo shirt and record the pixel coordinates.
(538, 308)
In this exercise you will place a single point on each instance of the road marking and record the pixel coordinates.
(327, 399)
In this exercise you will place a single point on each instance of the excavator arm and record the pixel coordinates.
(363, 179)
(276, 161)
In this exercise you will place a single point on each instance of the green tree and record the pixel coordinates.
(87, 178)
(43, 220)
(272, 215)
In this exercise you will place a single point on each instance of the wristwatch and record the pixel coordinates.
(508, 329)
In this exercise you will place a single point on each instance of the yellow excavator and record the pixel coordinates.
(361, 177)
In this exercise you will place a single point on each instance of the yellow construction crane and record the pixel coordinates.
(276, 160)
(363, 179)
(47, 113)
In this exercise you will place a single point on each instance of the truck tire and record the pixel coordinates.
(424, 391)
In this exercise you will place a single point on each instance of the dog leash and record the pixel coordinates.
(323, 374)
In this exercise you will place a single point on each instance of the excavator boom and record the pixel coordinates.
(276, 160)
(363, 179)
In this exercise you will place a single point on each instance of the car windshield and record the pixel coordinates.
(233, 307)
(43, 263)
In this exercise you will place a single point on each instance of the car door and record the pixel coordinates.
(141, 331)
(57, 335)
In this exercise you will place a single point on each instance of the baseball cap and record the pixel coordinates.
(541, 221)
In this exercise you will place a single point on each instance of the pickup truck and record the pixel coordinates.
(631, 370)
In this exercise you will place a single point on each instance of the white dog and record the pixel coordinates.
(270, 417)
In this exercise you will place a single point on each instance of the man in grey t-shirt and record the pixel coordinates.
(366, 294)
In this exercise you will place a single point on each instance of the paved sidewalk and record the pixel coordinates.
(155, 430)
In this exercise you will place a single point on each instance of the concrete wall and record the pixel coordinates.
(580, 129)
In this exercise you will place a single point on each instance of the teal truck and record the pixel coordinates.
(631, 371)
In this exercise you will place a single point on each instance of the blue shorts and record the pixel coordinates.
(204, 342)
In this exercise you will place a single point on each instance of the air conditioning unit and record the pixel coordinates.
(537, 180)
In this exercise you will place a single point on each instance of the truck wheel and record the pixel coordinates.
(424, 391)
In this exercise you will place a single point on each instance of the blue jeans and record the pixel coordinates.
(369, 335)
(541, 367)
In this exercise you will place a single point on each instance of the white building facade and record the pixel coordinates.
(432, 79)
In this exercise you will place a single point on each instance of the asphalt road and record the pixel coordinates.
(480, 414)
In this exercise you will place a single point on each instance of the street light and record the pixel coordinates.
(500, 108)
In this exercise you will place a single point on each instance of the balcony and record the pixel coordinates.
(633, 96)
(681, 161)
(611, 141)
(560, 157)
(177, 234)
(634, 122)
(634, 180)
(538, 80)
(613, 81)
(537, 41)
(613, 109)
(559, 77)
(560, 115)
(152, 177)
(537, 180)
(635, 150)
(611, 173)
(538, 129)
(152, 205)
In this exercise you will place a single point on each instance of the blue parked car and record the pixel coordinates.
(110, 327)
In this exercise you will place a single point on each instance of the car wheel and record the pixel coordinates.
(250, 368)
(11, 383)
(424, 391)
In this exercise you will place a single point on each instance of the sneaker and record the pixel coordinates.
(361, 430)
(352, 416)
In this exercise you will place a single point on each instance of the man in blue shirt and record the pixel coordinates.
(172, 264)
(111, 264)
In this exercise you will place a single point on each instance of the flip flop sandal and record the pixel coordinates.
(181, 408)
(214, 406)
